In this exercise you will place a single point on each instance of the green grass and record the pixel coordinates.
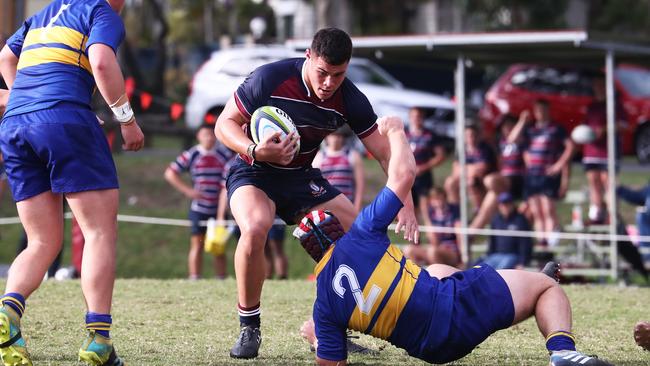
(178, 322)
(153, 251)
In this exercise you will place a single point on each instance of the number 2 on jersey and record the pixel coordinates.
(364, 304)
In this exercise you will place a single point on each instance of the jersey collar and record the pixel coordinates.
(303, 77)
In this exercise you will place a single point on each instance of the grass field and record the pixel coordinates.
(192, 323)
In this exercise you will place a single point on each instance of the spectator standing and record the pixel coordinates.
(594, 154)
(53, 146)
(548, 152)
(342, 166)
(428, 154)
(206, 163)
(508, 252)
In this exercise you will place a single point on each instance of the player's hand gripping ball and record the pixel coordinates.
(268, 120)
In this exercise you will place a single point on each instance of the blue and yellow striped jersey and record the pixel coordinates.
(52, 48)
(366, 284)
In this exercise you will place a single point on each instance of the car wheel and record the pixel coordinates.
(642, 146)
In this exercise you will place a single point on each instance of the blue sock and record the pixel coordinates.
(560, 341)
(249, 316)
(100, 323)
(15, 301)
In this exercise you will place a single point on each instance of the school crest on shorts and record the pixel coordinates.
(316, 190)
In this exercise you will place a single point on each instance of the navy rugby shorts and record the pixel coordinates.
(58, 150)
(294, 192)
(482, 305)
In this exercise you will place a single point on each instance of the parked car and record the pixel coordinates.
(215, 81)
(569, 91)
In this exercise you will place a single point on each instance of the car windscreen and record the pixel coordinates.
(635, 81)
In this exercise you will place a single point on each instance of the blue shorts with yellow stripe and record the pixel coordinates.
(62, 150)
(482, 305)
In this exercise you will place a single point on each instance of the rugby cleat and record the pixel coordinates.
(575, 358)
(248, 343)
(552, 269)
(12, 345)
(98, 350)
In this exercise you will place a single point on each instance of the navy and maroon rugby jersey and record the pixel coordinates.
(281, 84)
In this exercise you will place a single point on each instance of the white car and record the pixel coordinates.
(216, 81)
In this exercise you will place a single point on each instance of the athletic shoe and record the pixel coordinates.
(98, 350)
(248, 343)
(552, 269)
(642, 335)
(575, 358)
(12, 344)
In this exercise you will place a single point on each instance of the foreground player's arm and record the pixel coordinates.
(8, 65)
(110, 83)
(379, 147)
(401, 163)
(229, 131)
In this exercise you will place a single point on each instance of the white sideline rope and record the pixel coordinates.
(423, 229)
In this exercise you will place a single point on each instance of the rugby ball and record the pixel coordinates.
(267, 120)
(583, 134)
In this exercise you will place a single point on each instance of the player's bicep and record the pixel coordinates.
(231, 112)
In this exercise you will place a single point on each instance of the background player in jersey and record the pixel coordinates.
(54, 147)
(547, 155)
(438, 315)
(342, 166)
(272, 177)
(594, 154)
(206, 163)
(428, 154)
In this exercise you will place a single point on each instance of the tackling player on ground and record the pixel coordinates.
(438, 315)
(54, 147)
(272, 177)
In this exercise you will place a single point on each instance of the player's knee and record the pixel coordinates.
(254, 236)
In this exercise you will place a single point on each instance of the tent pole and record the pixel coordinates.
(611, 161)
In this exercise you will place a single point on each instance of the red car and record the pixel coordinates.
(569, 92)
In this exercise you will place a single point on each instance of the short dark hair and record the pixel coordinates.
(333, 45)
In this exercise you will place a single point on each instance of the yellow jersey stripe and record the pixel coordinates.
(388, 318)
(382, 277)
(64, 35)
(323, 261)
(44, 55)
